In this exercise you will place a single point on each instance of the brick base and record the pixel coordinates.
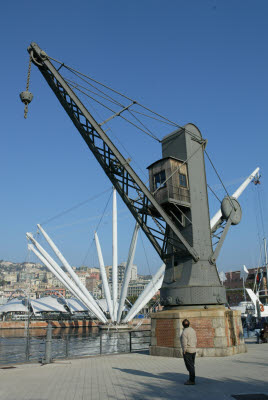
(219, 332)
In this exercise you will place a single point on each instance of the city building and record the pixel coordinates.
(135, 288)
(121, 271)
(234, 284)
(93, 285)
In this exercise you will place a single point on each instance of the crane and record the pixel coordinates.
(174, 213)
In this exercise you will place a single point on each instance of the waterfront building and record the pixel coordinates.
(234, 284)
(121, 271)
(52, 291)
(135, 288)
(93, 285)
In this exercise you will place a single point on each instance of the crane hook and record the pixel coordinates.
(26, 96)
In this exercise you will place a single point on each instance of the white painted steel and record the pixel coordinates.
(254, 298)
(104, 278)
(265, 253)
(215, 220)
(70, 270)
(53, 266)
(115, 258)
(149, 289)
(127, 274)
(52, 269)
(66, 281)
(148, 296)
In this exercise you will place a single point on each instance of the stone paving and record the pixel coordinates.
(137, 376)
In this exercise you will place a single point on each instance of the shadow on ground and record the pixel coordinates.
(170, 385)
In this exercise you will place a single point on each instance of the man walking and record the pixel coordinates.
(188, 344)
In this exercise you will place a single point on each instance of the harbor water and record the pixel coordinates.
(22, 345)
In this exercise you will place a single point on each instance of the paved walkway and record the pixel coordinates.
(137, 376)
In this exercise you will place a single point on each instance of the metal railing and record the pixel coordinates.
(74, 344)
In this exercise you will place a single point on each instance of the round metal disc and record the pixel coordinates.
(227, 206)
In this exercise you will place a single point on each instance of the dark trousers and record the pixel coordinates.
(189, 359)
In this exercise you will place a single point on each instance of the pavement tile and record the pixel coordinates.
(137, 376)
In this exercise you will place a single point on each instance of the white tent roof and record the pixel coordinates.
(76, 305)
(47, 303)
(14, 305)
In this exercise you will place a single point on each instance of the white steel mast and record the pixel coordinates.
(127, 274)
(104, 278)
(265, 252)
(215, 220)
(69, 268)
(93, 304)
(148, 292)
(63, 278)
(115, 257)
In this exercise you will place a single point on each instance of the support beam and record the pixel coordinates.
(69, 285)
(127, 274)
(149, 289)
(108, 155)
(51, 269)
(100, 315)
(69, 269)
(214, 222)
(148, 296)
(104, 278)
(115, 257)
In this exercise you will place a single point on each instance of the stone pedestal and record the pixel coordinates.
(218, 329)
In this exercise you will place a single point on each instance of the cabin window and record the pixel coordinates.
(159, 179)
(183, 181)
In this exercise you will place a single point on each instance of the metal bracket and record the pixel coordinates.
(214, 256)
(117, 114)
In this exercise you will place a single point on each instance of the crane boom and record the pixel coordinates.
(132, 190)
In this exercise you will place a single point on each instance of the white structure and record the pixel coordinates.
(44, 304)
(250, 307)
(217, 217)
(104, 279)
(115, 258)
(115, 304)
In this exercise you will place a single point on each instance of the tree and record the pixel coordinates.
(132, 299)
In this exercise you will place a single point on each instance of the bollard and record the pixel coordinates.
(100, 342)
(48, 349)
(130, 342)
(67, 346)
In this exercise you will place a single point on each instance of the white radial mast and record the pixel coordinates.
(127, 274)
(63, 278)
(148, 291)
(115, 258)
(69, 268)
(104, 278)
(147, 297)
(95, 308)
(215, 220)
(51, 269)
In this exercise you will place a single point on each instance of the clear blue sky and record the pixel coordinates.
(196, 61)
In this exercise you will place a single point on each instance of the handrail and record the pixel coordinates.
(27, 349)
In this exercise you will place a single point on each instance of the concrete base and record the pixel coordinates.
(218, 329)
(121, 327)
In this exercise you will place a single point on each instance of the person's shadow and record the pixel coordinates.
(169, 376)
(153, 386)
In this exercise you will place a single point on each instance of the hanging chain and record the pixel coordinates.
(27, 86)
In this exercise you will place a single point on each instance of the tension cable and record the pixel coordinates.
(230, 199)
(74, 207)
